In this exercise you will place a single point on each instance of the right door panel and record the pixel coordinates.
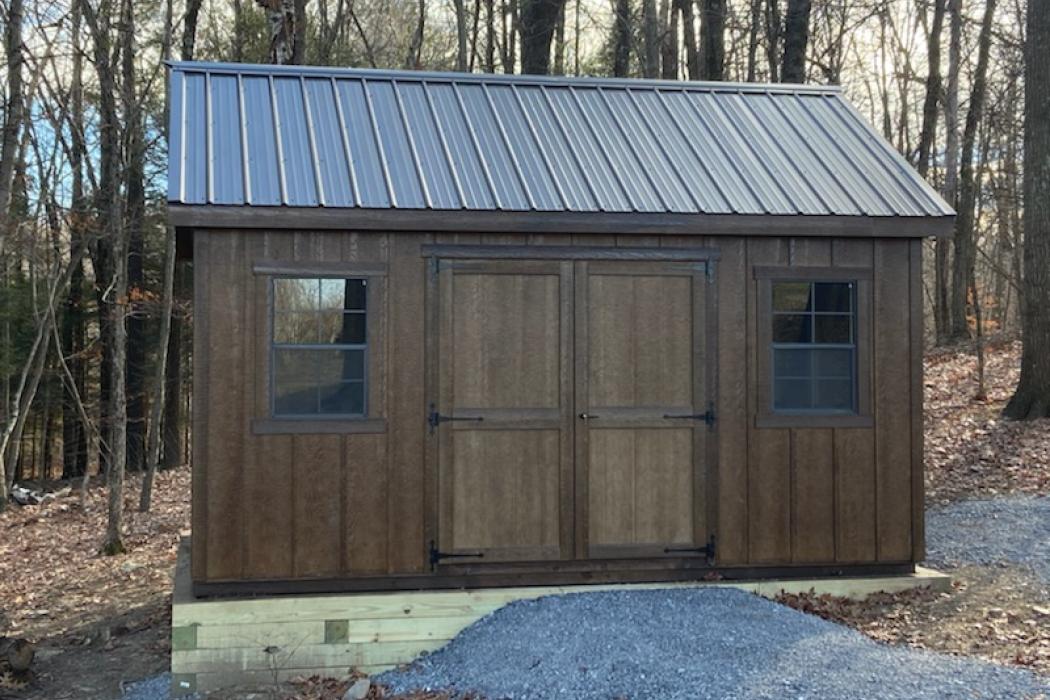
(641, 396)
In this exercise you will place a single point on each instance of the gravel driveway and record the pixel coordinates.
(720, 644)
(1011, 529)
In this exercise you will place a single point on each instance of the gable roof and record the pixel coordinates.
(300, 137)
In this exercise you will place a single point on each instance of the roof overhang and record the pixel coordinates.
(541, 222)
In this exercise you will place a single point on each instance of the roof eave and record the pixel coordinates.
(429, 220)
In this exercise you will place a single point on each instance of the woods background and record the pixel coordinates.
(95, 322)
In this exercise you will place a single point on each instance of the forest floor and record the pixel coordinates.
(102, 622)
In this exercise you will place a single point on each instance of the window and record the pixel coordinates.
(319, 347)
(812, 334)
(814, 346)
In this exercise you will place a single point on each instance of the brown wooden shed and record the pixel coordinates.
(459, 330)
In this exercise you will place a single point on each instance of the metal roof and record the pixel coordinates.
(320, 137)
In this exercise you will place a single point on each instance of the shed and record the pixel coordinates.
(457, 330)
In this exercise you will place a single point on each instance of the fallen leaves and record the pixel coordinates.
(992, 613)
(971, 451)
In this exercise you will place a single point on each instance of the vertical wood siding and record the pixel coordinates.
(307, 506)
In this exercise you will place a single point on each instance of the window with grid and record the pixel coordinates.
(319, 347)
(814, 347)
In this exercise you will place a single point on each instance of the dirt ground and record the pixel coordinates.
(100, 622)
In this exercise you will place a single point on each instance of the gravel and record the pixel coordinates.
(691, 643)
(1008, 530)
(153, 688)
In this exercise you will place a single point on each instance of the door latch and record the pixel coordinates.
(434, 419)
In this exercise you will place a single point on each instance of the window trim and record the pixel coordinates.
(765, 415)
(265, 422)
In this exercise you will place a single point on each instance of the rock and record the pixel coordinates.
(359, 689)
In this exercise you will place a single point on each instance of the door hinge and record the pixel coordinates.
(434, 419)
(707, 417)
(708, 550)
(436, 556)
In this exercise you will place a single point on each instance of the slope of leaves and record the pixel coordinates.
(971, 451)
(1002, 615)
(53, 579)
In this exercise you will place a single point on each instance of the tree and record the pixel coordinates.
(287, 29)
(796, 39)
(1032, 397)
(933, 89)
(538, 20)
(114, 296)
(621, 39)
(712, 40)
(14, 113)
(965, 235)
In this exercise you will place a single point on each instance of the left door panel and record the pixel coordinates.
(503, 416)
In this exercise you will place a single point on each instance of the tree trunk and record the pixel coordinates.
(796, 39)
(712, 40)
(621, 40)
(14, 114)
(773, 32)
(1032, 397)
(692, 49)
(461, 34)
(155, 424)
(189, 29)
(965, 233)
(668, 41)
(752, 40)
(74, 431)
(538, 19)
(650, 39)
(282, 15)
(134, 216)
(933, 89)
(951, 167)
(115, 298)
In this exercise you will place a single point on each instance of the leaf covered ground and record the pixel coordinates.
(100, 621)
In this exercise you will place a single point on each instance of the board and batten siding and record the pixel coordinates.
(314, 506)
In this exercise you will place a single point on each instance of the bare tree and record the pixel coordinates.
(951, 166)
(14, 112)
(965, 235)
(796, 39)
(538, 20)
(115, 293)
(287, 20)
(712, 39)
(650, 39)
(621, 39)
(1032, 397)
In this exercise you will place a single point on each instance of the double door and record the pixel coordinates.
(570, 409)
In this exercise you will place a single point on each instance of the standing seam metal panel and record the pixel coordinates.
(434, 164)
(574, 185)
(462, 156)
(492, 150)
(227, 177)
(328, 143)
(260, 140)
(176, 131)
(364, 149)
(194, 175)
(345, 138)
